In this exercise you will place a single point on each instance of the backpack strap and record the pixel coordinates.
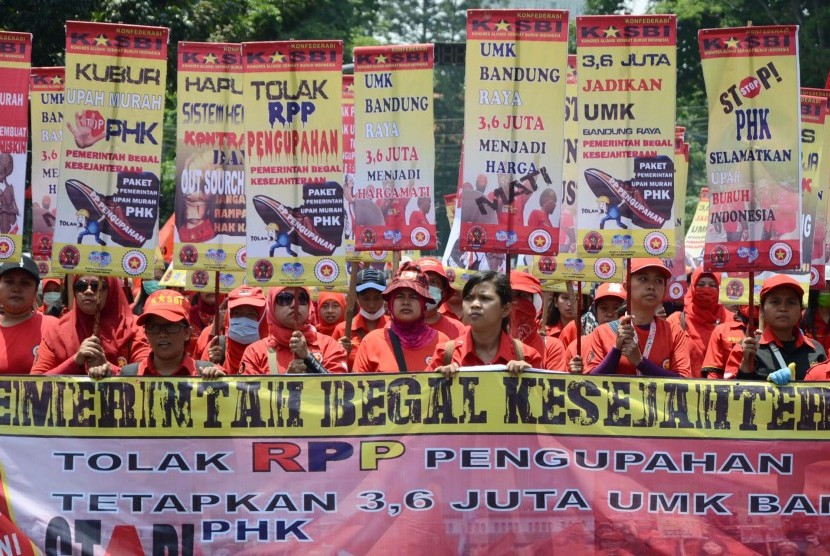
(130, 369)
(518, 349)
(396, 347)
(449, 348)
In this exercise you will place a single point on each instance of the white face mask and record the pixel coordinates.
(372, 316)
(50, 298)
(436, 293)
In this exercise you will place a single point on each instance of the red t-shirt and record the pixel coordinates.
(19, 343)
(464, 353)
(553, 349)
(723, 339)
(450, 327)
(359, 331)
(327, 351)
(539, 219)
(187, 368)
(669, 349)
(376, 354)
(819, 373)
(418, 218)
(568, 334)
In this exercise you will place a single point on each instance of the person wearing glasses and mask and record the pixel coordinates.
(293, 346)
(71, 348)
(165, 322)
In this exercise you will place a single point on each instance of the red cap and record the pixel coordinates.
(246, 295)
(524, 282)
(431, 264)
(167, 304)
(607, 289)
(781, 281)
(649, 262)
(411, 277)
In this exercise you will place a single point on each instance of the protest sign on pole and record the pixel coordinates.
(627, 85)
(46, 104)
(294, 162)
(815, 181)
(15, 61)
(513, 131)
(394, 199)
(411, 464)
(210, 158)
(752, 165)
(108, 194)
(677, 285)
(696, 235)
(567, 265)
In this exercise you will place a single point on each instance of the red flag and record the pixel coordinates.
(166, 238)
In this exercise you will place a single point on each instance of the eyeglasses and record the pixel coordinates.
(81, 286)
(287, 298)
(167, 328)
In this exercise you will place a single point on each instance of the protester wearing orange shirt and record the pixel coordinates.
(52, 298)
(244, 324)
(768, 354)
(562, 310)
(440, 292)
(165, 322)
(372, 315)
(331, 312)
(407, 344)
(723, 339)
(487, 341)
(816, 321)
(608, 300)
(21, 328)
(701, 313)
(524, 320)
(589, 319)
(640, 343)
(293, 346)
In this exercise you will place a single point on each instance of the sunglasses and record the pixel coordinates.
(81, 286)
(167, 328)
(287, 298)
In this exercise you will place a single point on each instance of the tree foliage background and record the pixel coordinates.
(363, 22)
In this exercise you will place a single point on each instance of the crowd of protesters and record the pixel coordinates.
(414, 321)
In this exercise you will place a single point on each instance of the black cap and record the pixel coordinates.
(370, 279)
(26, 263)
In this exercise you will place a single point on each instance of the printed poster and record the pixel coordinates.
(676, 287)
(815, 183)
(752, 165)
(394, 198)
(46, 105)
(696, 235)
(627, 89)
(210, 158)
(294, 163)
(108, 193)
(15, 61)
(513, 131)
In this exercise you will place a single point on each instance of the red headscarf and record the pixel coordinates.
(279, 335)
(338, 298)
(115, 326)
(702, 309)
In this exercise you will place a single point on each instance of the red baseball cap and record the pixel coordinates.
(607, 289)
(410, 277)
(525, 282)
(246, 295)
(431, 264)
(167, 304)
(781, 281)
(649, 262)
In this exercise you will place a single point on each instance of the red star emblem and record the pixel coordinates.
(605, 268)
(420, 236)
(4, 247)
(656, 243)
(539, 241)
(780, 254)
(326, 270)
(134, 262)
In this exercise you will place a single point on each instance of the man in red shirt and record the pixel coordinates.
(723, 340)
(640, 343)
(21, 327)
(371, 283)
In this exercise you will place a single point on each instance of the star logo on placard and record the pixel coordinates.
(656, 243)
(380, 59)
(612, 32)
(56, 80)
(539, 241)
(210, 58)
(350, 88)
(4, 247)
(134, 262)
(420, 237)
(733, 43)
(780, 254)
(102, 40)
(502, 26)
(326, 271)
(277, 57)
(605, 268)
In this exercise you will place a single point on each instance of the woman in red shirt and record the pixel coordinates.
(407, 344)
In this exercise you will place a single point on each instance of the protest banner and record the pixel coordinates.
(109, 186)
(627, 84)
(394, 199)
(411, 463)
(734, 286)
(824, 206)
(46, 106)
(511, 195)
(15, 61)
(696, 234)
(815, 184)
(566, 264)
(210, 158)
(752, 166)
(676, 287)
(294, 162)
